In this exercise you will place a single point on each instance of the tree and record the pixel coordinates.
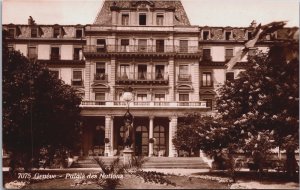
(262, 105)
(38, 108)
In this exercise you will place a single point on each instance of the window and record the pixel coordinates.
(100, 71)
(208, 103)
(32, 53)
(10, 47)
(183, 99)
(183, 46)
(124, 72)
(159, 20)
(100, 98)
(54, 73)
(56, 32)
(141, 139)
(141, 97)
(77, 52)
(101, 45)
(159, 133)
(54, 53)
(143, 19)
(228, 54)
(160, 45)
(142, 72)
(249, 35)
(77, 78)
(206, 79)
(229, 76)
(227, 35)
(11, 32)
(159, 72)
(142, 45)
(125, 19)
(124, 45)
(34, 32)
(205, 35)
(206, 55)
(159, 97)
(79, 33)
(184, 73)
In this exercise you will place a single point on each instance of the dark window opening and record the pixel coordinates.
(228, 54)
(183, 99)
(159, 72)
(77, 78)
(56, 33)
(101, 45)
(100, 98)
(207, 55)
(32, 53)
(227, 35)
(142, 72)
(229, 76)
(208, 103)
(125, 45)
(142, 19)
(205, 35)
(142, 45)
(206, 79)
(183, 46)
(79, 33)
(55, 53)
(124, 72)
(160, 45)
(249, 35)
(77, 52)
(11, 33)
(34, 33)
(100, 71)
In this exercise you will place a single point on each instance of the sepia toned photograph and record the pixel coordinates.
(150, 94)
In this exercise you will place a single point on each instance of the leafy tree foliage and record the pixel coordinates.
(38, 108)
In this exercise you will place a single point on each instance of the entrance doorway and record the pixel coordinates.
(141, 141)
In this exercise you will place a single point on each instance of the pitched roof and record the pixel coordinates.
(104, 16)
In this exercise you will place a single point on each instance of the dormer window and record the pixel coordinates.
(11, 32)
(159, 19)
(125, 19)
(143, 19)
(227, 35)
(56, 32)
(34, 32)
(205, 35)
(79, 33)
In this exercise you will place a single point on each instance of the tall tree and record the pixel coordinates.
(38, 108)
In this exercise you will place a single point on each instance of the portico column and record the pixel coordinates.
(107, 135)
(151, 118)
(172, 131)
(112, 136)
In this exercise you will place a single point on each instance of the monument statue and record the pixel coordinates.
(128, 129)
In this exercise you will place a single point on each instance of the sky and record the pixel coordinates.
(200, 12)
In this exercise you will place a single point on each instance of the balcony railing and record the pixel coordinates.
(147, 104)
(140, 48)
(100, 77)
(54, 56)
(184, 77)
(139, 76)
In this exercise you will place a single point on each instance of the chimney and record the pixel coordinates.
(253, 24)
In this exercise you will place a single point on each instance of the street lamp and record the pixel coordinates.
(128, 118)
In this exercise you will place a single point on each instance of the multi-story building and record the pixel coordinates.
(173, 67)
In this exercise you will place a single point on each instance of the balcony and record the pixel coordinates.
(100, 77)
(147, 104)
(93, 50)
(142, 78)
(184, 77)
(54, 57)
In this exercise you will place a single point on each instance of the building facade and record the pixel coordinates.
(173, 67)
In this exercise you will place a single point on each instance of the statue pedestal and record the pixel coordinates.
(127, 155)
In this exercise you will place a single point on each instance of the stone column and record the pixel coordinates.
(151, 118)
(112, 136)
(172, 131)
(107, 135)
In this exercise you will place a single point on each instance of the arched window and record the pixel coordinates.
(160, 138)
